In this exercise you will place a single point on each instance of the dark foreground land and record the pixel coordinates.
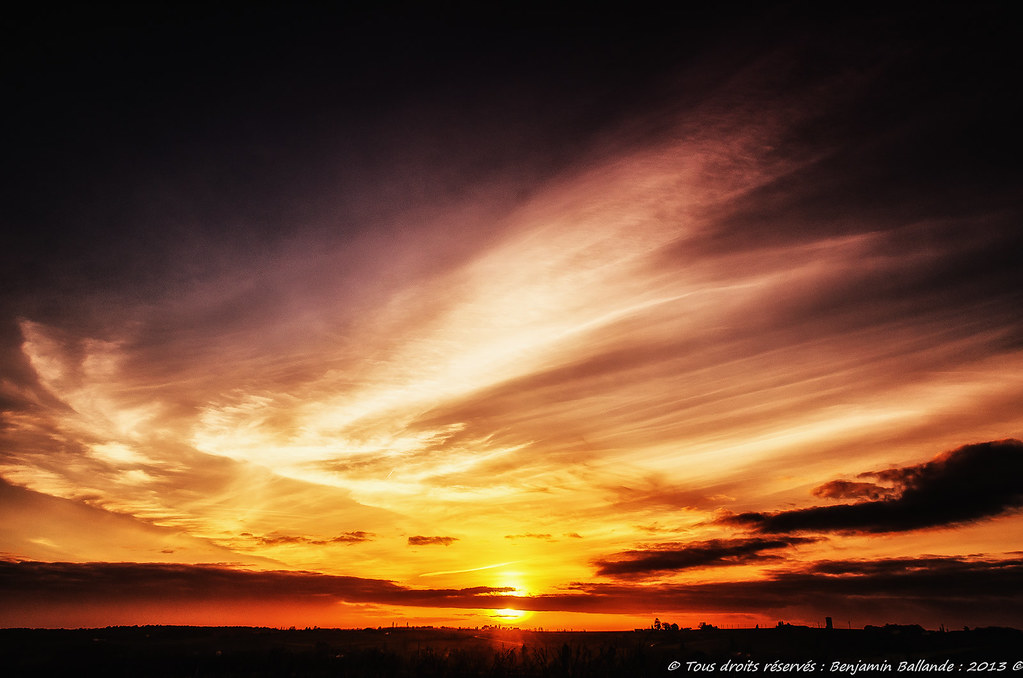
(399, 652)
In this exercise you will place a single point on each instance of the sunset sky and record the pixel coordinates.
(547, 319)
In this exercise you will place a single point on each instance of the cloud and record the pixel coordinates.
(354, 537)
(912, 590)
(126, 582)
(694, 555)
(657, 494)
(529, 535)
(968, 484)
(41, 527)
(974, 590)
(419, 540)
(846, 489)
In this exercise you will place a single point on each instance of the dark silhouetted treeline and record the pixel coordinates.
(406, 652)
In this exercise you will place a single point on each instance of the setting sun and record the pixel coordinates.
(509, 615)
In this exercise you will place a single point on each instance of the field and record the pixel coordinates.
(396, 652)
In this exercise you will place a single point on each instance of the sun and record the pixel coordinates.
(508, 614)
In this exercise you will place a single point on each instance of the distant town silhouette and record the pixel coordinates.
(400, 651)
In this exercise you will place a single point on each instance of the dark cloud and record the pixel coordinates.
(276, 539)
(929, 590)
(354, 537)
(951, 590)
(420, 540)
(847, 489)
(971, 483)
(694, 555)
(126, 582)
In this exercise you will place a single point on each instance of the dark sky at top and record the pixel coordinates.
(130, 131)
